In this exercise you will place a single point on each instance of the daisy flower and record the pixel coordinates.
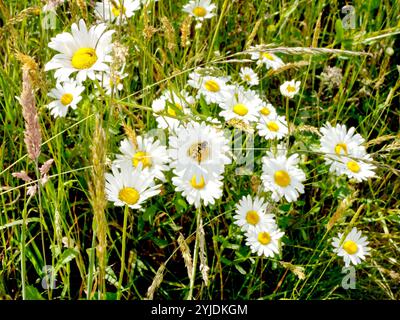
(241, 104)
(337, 142)
(267, 111)
(283, 177)
(83, 52)
(169, 107)
(197, 188)
(213, 89)
(353, 248)
(264, 240)
(272, 127)
(112, 81)
(357, 167)
(249, 76)
(148, 152)
(198, 149)
(120, 10)
(290, 88)
(270, 60)
(129, 187)
(67, 95)
(252, 213)
(200, 9)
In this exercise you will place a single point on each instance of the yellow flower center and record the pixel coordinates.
(66, 99)
(268, 56)
(197, 185)
(353, 166)
(264, 238)
(129, 195)
(247, 77)
(273, 126)
(291, 88)
(199, 12)
(116, 10)
(282, 178)
(84, 58)
(341, 147)
(265, 111)
(252, 217)
(240, 109)
(142, 157)
(350, 247)
(212, 86)
(172, 112)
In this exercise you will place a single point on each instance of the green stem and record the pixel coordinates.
(196, 253)
(23, 242)
(91, 266)
(287, 120)
(121, 274)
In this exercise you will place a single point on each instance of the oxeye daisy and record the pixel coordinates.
(170, 107)
(337, 142)
(290, 88)
(116, 10)
(270, 60)
(265, 241)
(251, 213)
(198, 149)
(213, 89)
(241, 104)
(283, 177)
(83, 52)
(148, 152)
(112, 81)
(357, 167)
(267, 111)
(353, 248)
(272, 127)
(249, 76)
(198, 188)
(129, 187)
(67, 95)
(200, 9)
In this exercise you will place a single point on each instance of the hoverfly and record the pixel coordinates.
(199, 151)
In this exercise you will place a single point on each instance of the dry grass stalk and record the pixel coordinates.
(156, 282)
(187, 257)
(148, 30)
(253, 34)
(297, 270)
(204, 268)
(98, 198)
(185, 31)
(130, 133)
(32, 134)
(341, 209)
(169, 33)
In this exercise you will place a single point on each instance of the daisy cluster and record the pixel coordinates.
(198, 149)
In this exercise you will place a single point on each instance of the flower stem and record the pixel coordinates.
(121, 274)
(196, 253)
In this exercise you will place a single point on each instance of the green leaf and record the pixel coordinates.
(32, 293)
(339, 31)
(67, 256)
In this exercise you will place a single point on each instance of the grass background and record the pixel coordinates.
(367, 98)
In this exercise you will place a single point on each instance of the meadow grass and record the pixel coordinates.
(141, 255)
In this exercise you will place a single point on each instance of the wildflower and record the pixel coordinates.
(200, 9)
(116, 10)
(264, 240)
(249, 76)
(67, 95)
(213, 89)
(290, 88)
(270, 60)
(272, 127)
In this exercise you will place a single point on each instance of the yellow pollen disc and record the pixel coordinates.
(212, 86)
(247, 77)
(240, 109)
(142, 157)
(341, 147)
(199, 12)
(252, 217)
(282, 178)
(84, 58)
(290, 88)
(264, 238)
(350, 247)
(353, 166)
(66, 99)
(197, 185)
(117, 10)
(273, 126)
(268, 56)
(172, 112)
(129, 195)
(265, 111)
